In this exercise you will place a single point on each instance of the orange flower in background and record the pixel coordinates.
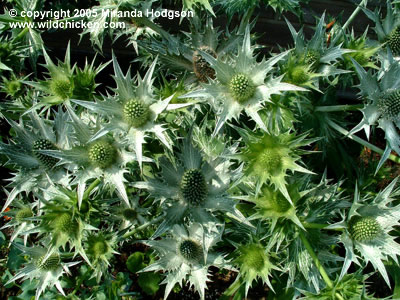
(5, 217)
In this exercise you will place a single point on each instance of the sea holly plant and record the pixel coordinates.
(23, 151)
(387, 29)
(44, 267)
(268, 157)
(241, 84)
(381, 91)
(133, 111)
(186, 256)
(366, 230)
(104, 157)
(312, 59)
(192, 177)
(194, 188)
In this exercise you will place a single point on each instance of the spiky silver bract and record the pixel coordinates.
(186, 256)
(241, 84)
(368, 225)
(381, 91)
(193, 188)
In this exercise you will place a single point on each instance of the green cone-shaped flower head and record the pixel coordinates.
(136, 113)
(312, 58)
(50, 264)
(99, 248)
(65, 223)
(389, 105)
(201, 67)
(299, 74)
(241, 87)
(364, 229)
(23, 213)
(43, 144)
(129, 214)
(270, 160)
(102, 154)
(61, 87)
(190, 250)
(194, 187)
(252, 257)
(393, 40)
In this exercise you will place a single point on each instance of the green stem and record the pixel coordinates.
(319, 226)
(332, 108)
(355, 138)
(363, 3)
(90, 189)
(314, 257)
(21, 34)
(144, 226)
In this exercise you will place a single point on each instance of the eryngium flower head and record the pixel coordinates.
(388, 28)
(382, 93)
(44, 144)
(46, 267)
(193, 187)
(367, 229)
(185, 256)
(253, 261)
(102, 154)
(240, 84)
(270, 155)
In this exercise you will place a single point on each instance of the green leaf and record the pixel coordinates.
(149, 282)
(135, 262)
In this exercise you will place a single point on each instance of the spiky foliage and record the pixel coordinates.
(46, 267)
(25, 152)
(194, 188)
(367, 230)
(380, 90)
(312, 59)
(387, 29)
(240, 85)
(268, 157)
(186, 256)
(133, 111)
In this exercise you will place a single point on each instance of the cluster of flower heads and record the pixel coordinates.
(204, 158)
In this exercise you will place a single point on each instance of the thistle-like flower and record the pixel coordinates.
(382, 93)
(100, 250)
(43, 266)
(268, 157)
(366, 230)
(25, 152)
(312, 59)
(66, 82)
(133, 111)
(20, 220)
(89, 158)
(193, 187)
(185, 256)
(253, 261)
(387, 29)
(240, 84)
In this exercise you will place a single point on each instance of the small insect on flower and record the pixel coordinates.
(201, 67)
